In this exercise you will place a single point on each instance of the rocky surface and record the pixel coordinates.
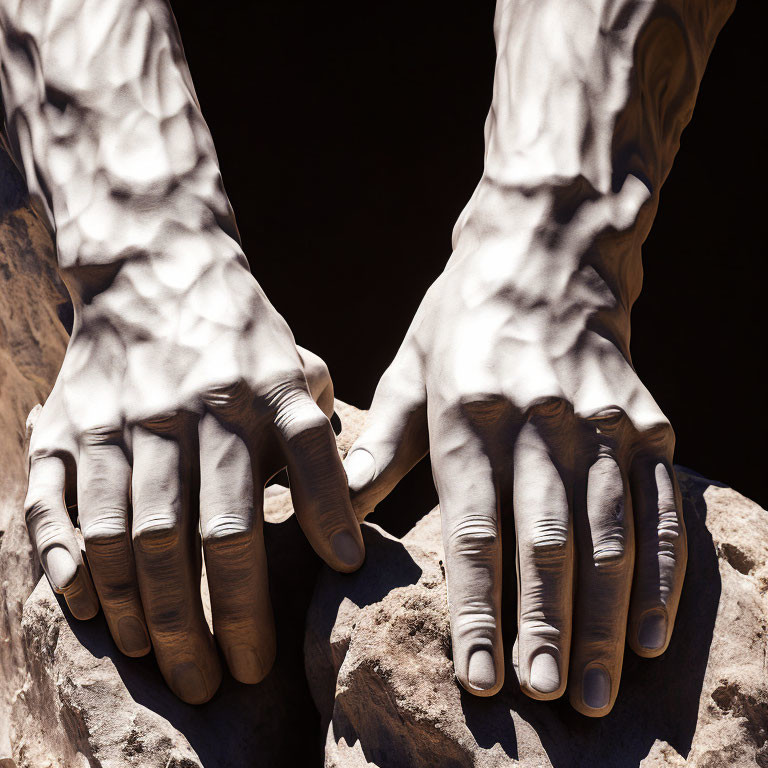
(32, 344)
(377, 654)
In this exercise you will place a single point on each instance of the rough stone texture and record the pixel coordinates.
(83, 704)
(32, 344)
(377, 655)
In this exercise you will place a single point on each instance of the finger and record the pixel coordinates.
(662, 555)
(236, 563)
(53, 536)
(605, 539)
(318, 483)
(103, 487)
(165, 548)
(318, 380)
(545, 559)
(395, 437)
(472, 540)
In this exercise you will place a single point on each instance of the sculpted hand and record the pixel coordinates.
(533, 415)
(516, 373)
(175, 404)
(182, 391)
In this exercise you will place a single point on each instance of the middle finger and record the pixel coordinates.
(165, 541)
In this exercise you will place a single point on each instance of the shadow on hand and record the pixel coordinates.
(273, 723)
(658, 698)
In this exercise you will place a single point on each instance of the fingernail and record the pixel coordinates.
(481, 673)
(596, 688)
(347, 549)
(245, 664)
(652, 633)
(545, 673)
(133, 636)
(60, 567)
(188, 683)
(360, 468)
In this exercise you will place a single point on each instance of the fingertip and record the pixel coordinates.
(593, 695)
(650, 634)
(349, 549)
(360, 467)
(545, 680)
(192, 686)
(132, 637)
(81, 597)
(248, 664)
(60, 567)
(483, 677)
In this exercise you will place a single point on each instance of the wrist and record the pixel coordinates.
(570, 258)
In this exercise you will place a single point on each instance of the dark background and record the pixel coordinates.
(350, 138)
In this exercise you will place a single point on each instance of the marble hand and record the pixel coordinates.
(516, 372)
(182, 390)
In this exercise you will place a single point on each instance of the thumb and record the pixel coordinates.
(395, 437)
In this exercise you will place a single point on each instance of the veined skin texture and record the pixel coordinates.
(182, 390)
(516, 373)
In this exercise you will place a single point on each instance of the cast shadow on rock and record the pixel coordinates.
(275, 719)
(658, 698)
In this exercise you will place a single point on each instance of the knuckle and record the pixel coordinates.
(475, 536)
(168, 422)
(657, 438)
(474, 618)
(669, 531)
(550, 415)
(549, 540)
(157, 529)
(608, 424)
(227, 398)
(100, 435)
(107, 533)
(228, 531)
(35, 507)
(482, 407)
(611, 552)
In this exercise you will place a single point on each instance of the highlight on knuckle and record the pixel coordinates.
(668, 531)
(229, 398)
(475, 536)
(228, 532)
(609, 422)
(157, 529)
(611, 551)
(549, 540)
(474, 618)
(107, 533)
(35, 508)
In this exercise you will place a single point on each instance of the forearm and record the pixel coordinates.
(589, 102)
(104, 122)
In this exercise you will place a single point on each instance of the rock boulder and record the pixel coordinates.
(377, 656)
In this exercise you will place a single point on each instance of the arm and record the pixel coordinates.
(178, 371)
(516, 373)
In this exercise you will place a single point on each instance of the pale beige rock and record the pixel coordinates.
(32, 343)
(378, 659)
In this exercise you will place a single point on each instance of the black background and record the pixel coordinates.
(350, 138)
